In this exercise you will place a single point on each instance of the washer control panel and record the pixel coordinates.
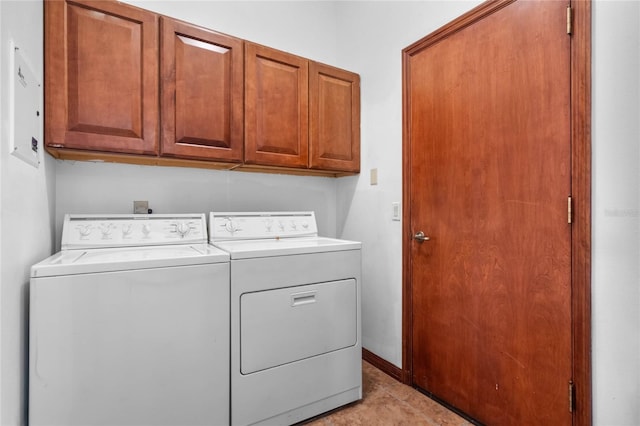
(253, 226)
(96, 231)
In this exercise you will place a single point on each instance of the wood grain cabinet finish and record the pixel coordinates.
(202, 93)
(101, 77)
(334, 118)
(276, 107)
(124, 84)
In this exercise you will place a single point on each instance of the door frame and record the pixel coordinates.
(580, 114)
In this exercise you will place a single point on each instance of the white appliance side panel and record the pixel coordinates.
(289, 324)
(144, 347)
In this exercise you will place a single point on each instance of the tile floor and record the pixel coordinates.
(388, 402)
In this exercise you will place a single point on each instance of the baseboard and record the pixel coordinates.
(382, 364)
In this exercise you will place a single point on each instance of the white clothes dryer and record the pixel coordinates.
(295, 316)
(129, 324)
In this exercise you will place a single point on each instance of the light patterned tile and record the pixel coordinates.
(380, 409)
(387, 402)
(439, 414)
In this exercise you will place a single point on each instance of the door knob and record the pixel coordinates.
(420, 237)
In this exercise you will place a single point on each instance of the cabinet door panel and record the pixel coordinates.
(276, 108)
(334, 118)
(202, 93)
(101, 77)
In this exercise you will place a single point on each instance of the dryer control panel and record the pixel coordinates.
(130, 230)
(260, 225)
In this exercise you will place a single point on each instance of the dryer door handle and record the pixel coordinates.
(304, 298)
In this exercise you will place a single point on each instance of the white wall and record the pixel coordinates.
(83, 187)
(616, 213)
(26, 216)
(305, 28)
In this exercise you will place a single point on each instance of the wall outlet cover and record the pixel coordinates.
(140, 207)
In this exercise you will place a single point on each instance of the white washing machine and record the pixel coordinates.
(129, 324)
(295, 316)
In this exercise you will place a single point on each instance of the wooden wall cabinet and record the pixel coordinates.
(101, 80)
(202, 93)
(126, 85)
(276, 107)
(300, 113)
(334, 118)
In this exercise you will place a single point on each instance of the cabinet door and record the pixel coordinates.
(101, 77)
(276, 107)
(202, 89)
(334, 118)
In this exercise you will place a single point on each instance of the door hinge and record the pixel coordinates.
(571, 396)
(569, 209)
(569, 20)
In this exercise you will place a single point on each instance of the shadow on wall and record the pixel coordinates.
(24, 358)
(345, 194)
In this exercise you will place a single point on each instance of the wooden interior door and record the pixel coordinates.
(202, 92)
(487, 122)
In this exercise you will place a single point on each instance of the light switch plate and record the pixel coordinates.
(395, 215)
(374, 177)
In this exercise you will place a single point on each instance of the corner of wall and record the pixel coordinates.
(26, 214)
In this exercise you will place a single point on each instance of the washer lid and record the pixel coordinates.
(70, 262)
(246, 249)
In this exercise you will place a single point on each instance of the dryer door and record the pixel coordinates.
(285, 325)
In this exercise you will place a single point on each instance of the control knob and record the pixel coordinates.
(84, 230)
(146, 229)
(230, 226)
(106, 229)
(126, 229)
(182, 229)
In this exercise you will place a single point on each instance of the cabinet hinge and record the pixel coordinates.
(571, 396)
(569, 20)
(569, 209)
